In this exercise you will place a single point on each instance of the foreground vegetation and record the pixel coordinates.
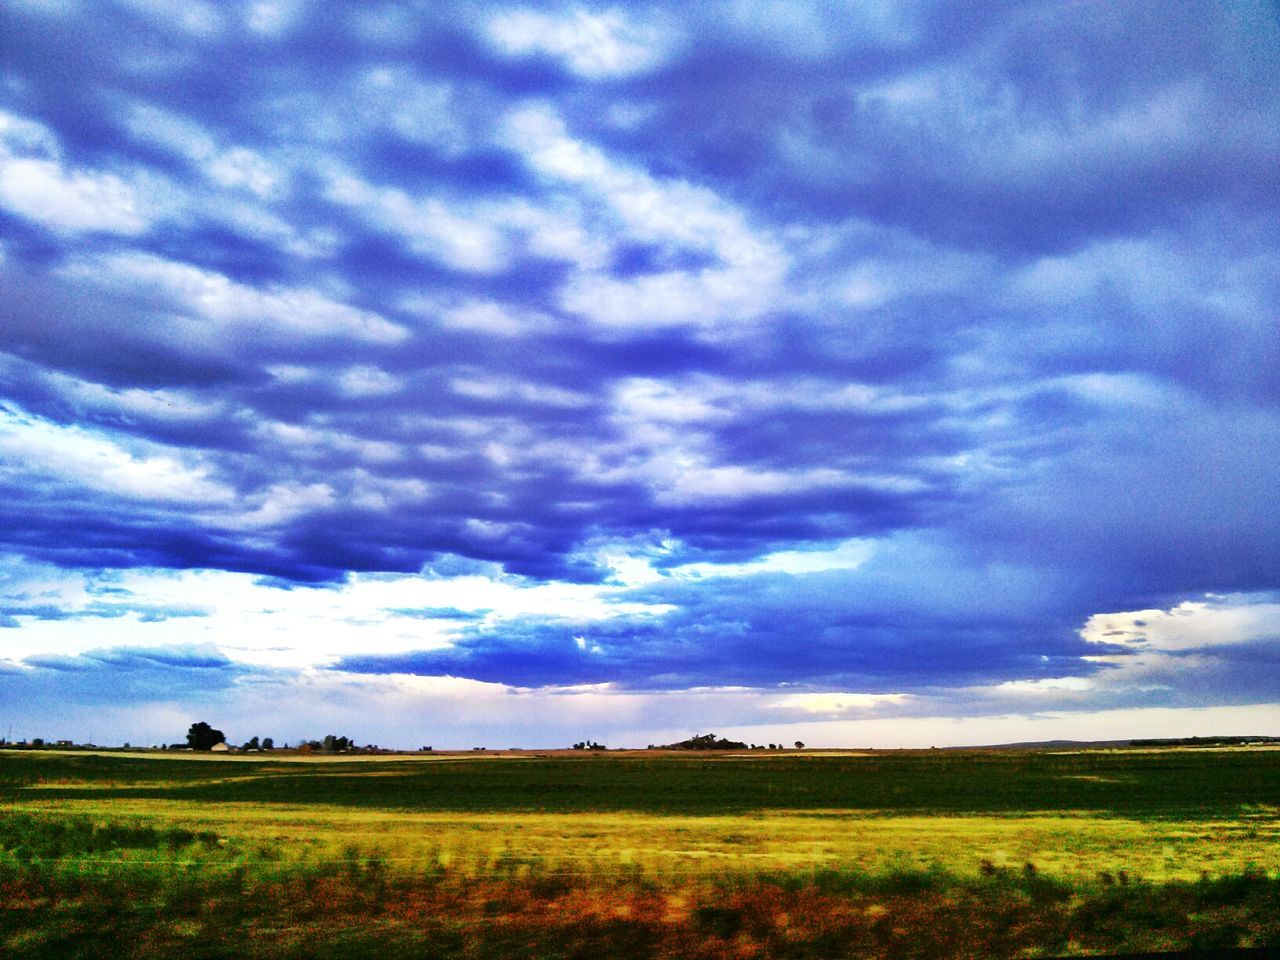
(938, 854)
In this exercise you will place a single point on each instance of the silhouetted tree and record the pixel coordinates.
(799, 744)
(252, 744)
(268, 743)
(201, 736)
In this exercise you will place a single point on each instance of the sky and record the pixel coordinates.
(471, 374)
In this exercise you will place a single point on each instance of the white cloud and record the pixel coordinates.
(1047, 685)
(283, 502)
(22, 137)
(1148, 272)
(593, 45)
(420, 111)
(487, 316)
(483, 387)
(559, 231)
(367, 381)
(708, 298)
(177, 134)
(742, 280)
(462, 237)
(680, 480)
(1191, 625)
(300, 628)
(715, 400)
(1171, 652)
(194, 17)
(235, 167)
(134, 403)
(36, 185)
(70, 202)
(241, 308)
(242, 167)
(270, 17)
(1160, 275)
(665, 437)
(848, 555)
(1167, 120)
(834, 703)
(310, 444)
(83, 458)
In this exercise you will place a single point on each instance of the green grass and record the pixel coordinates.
(914, 854)
(1171, 783)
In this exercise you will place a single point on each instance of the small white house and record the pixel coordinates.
(220, 747)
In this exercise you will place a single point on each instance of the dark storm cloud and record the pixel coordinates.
(794, 643)
(385, 290)
(1023, 128)
(913, 618)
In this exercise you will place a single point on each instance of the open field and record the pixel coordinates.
(929, 853)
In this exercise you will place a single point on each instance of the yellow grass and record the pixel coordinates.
(1067, 845)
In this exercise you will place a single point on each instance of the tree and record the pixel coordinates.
(799, 744)
(268, 743)
(252, 744)
(705, 741)
(201, 736)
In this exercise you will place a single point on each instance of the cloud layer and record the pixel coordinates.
(610, 317)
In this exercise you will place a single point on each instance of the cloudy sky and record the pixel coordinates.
(866, 373)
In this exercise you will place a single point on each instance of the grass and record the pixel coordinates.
(890, 855)
(1169, 783)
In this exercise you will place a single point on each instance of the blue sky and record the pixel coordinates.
(470, 373)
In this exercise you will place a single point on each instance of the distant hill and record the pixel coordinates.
(1146, 742)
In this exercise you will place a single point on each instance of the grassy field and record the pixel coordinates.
(930, 853)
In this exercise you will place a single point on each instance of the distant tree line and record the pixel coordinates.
(332, 743)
